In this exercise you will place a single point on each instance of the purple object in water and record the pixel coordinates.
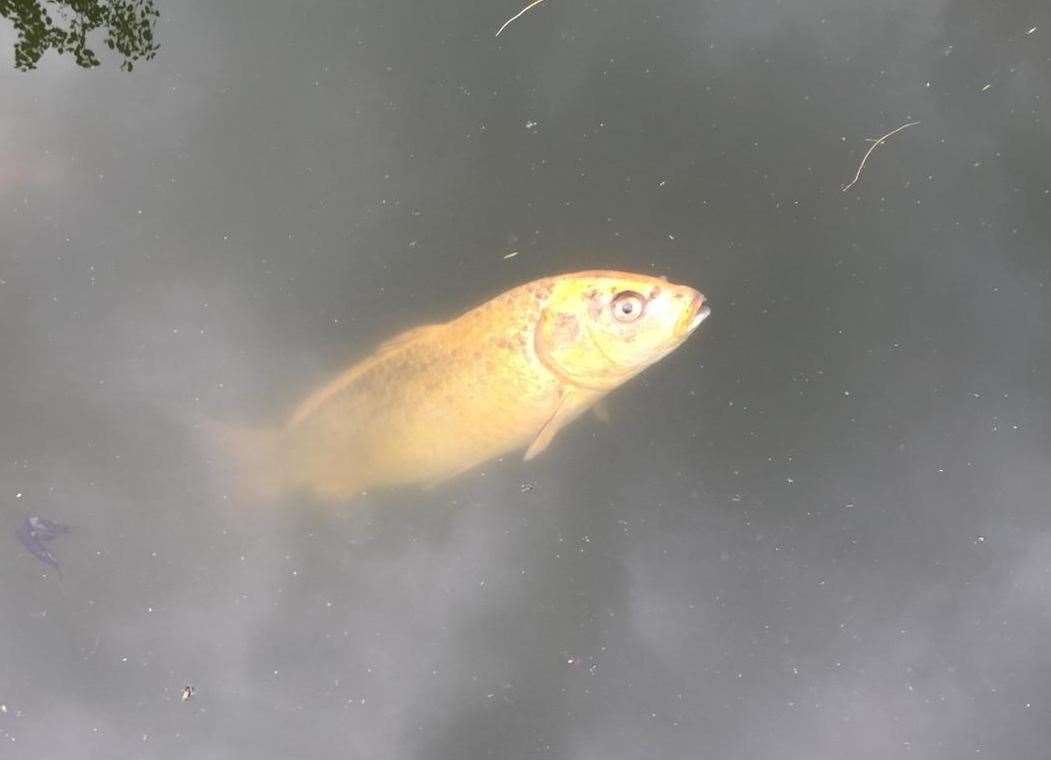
(35, 531)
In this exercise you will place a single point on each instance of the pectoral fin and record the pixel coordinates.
(601, 411)
(563, 415)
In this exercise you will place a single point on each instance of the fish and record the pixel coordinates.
(35, 531)
(441, 399)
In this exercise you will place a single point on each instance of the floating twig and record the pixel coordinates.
(873, 147)
(508, 22)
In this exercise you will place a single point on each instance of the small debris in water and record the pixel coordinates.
(508, 22)
(511, 255)
(1030, 31)
(35, 531)
(987, 87)
(527, 487)
(187, 693)
(874, 145)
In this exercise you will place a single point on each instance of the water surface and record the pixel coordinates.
(819, 529)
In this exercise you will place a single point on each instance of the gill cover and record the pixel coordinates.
(598, 331)
(566, 346)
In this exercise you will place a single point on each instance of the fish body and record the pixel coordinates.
(509, 374)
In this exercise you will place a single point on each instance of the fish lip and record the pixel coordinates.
(700, 316)
(700, 311)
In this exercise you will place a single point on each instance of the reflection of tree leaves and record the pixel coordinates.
(129, 28)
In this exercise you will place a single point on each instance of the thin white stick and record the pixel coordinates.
(873, 147)
(506, 23)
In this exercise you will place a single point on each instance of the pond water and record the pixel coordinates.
(819, 529)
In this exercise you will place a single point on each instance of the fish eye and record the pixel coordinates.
(627, 306)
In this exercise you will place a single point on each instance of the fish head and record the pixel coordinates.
(598, 329)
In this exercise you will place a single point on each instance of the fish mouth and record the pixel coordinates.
(697, 312)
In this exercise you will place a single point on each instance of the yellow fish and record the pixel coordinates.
(440, 399)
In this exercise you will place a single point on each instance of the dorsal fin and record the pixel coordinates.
(317, 399)
(403, 338)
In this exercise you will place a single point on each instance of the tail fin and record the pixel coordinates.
(249, 461)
